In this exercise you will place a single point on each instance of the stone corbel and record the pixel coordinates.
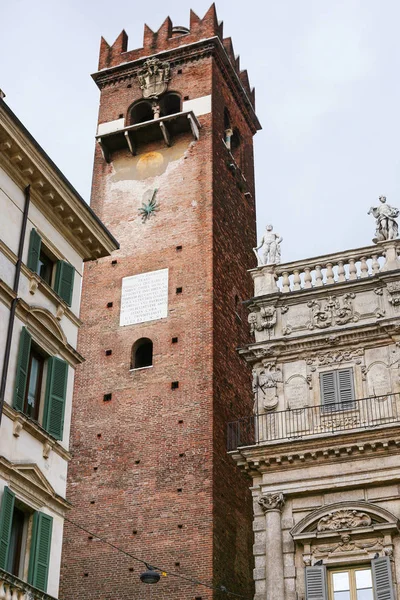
(47, 448)
(60, 311)
(33, 283)
(17, 427)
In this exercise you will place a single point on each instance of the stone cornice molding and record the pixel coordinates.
(175, 56)
(26, 163)
(43, 326)
(274, 501)
(323, 449)
(21, 421)
(29, 483)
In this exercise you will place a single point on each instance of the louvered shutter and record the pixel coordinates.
(40, 551)
(382, 578)
(34, 251)
(316, 583)
(346, 387)
(6, 515)
(328, 388)
(56, 387)
(22, 369)
(64, 283)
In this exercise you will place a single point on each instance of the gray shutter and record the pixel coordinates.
(346, 387)
(316, 583)
(328, 386)
(6, 515)
(34, 251)
(382, 578)
(56, 388)
(22, 369)
(64, 283)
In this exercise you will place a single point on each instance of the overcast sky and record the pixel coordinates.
(327, 79)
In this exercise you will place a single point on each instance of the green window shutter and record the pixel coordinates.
(328, 387)
(345, 386)
(34, 251)
(6, 515)
(39, 557)
(22, 369)
(64, 283)
(56, 388)
(316, 588)
(382, 578)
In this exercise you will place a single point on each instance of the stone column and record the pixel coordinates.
(272, 505)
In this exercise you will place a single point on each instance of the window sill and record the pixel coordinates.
(22, 421)
(141, 368)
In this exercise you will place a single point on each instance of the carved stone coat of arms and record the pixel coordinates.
(154, 77)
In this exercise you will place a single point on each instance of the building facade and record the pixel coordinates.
(173, 179)
(322, 444)
(46, 232)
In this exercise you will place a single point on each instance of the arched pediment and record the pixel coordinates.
(344, 516)
(48, 321)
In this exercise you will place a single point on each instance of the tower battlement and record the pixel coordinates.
(169, 37)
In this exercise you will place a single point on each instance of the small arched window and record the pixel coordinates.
(141, 111)
(227, 128)
(170, 104)
(142, 354)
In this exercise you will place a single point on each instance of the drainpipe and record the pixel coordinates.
(14, 301)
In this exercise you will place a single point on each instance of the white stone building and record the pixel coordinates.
(323, 445)
(46, 232)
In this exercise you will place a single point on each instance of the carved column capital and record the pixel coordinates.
(271, 501)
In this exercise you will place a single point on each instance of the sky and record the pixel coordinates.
(327, 79)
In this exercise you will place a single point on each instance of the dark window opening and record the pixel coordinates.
(45, 267)
(142, 354)
(34, 384)
(170, 104)
(142, 112)
(235, 143)
(15, 554)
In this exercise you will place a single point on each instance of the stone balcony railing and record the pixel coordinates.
(329, 269)
(13, 588)
(314, 421)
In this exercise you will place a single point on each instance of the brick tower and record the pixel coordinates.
(173, 180)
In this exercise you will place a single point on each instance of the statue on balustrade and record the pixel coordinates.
(270, 242)
(386, 226)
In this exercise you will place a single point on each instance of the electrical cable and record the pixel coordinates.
(150, 565)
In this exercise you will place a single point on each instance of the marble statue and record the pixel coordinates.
(270, 242)
(386, 226)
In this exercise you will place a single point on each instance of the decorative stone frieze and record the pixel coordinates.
(343, 519)
(347, 545)
(331, 358)
(274, 501)
(332, 311)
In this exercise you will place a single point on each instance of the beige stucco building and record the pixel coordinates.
(323, 445)
(46, 232)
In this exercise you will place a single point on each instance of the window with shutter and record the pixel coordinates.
(35, 243)
(382, 578)
(337, 389)
(6, 515)
(64, 283)
(22, 369)
(57, 374)
(40, 551)
(316, 588)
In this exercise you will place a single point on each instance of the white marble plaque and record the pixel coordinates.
(144, 297)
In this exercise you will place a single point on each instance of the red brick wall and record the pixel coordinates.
(131, 455)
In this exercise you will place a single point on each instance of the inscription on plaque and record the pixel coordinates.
(144, 297)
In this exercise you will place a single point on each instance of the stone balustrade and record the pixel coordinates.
(13, 588)
(340, 267)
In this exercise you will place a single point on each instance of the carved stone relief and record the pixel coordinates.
(153, 78)
(332, 311)
(348, 546)
(265, 382)
(297, 391)
(378, 379)
(265, 318)
(394, 293)
(332, 358)
(271, 501)
(343, 519)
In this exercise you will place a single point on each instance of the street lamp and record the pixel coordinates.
(150, 576)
